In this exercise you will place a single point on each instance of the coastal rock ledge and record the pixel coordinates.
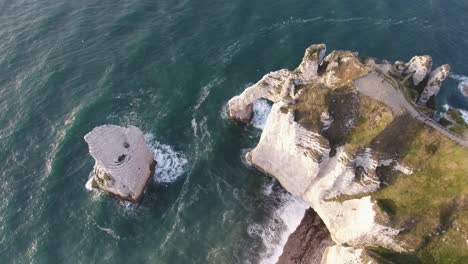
(124, 163)
(347, 135)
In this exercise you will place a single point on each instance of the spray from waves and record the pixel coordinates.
(171, 164)
(284, 220)
(261, 110)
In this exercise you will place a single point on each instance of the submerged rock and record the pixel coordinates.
(124, 163)
(434, 83)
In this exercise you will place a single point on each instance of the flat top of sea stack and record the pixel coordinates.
(124, 163)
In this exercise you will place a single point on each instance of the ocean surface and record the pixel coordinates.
(169, 67)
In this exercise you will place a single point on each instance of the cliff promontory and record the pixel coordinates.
(350, 135)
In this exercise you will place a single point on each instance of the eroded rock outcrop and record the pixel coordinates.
(434, 83)
(124, 163)
(338, 132)
(419, 67)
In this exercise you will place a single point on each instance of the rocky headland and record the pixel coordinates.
(123, 162)
(350, 135)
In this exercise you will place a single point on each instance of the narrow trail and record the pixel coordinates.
(374, 86)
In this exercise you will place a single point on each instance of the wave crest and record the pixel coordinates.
(171, 164)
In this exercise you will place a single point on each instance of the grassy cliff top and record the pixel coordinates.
(430, 206)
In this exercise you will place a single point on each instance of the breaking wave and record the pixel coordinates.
(275, 231)
(171, 164)
(261, 110)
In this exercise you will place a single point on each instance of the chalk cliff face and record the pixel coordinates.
(124, 163)
(434, 83)
(338, 136)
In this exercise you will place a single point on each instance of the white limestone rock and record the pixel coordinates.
(307, 70)
(278, 85)
(124, 163)
(300, 160)
(434, 83)
(342, 68)
(419, 67)
(400, 66)
(342, 255)
(273, 86)
(338, 254)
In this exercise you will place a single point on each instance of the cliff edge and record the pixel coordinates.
(345, 135)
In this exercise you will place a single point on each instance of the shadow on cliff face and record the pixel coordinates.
(308, 243)
(395, 140)
(344, 110)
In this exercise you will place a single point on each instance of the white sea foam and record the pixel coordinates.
(463, 81)
(171, 164)
(89, 185)
(261, 110)
(205, 91)
(243, 157)
(275, 232)
(458, 77)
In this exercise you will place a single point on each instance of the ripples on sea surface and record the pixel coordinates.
(169, 67)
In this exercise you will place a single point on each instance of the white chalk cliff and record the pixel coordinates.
(434, 83)
(123, 162)
(334, 179)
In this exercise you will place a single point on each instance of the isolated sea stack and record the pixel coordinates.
(124, 163)
(346, 135)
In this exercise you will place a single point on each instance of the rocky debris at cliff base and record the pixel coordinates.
(308, 242)
(123, 162)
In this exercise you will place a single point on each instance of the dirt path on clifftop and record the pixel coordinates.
(377, 87)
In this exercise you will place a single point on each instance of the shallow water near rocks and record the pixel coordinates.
(169, 67)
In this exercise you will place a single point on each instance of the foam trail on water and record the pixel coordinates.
(261, 110)
(108, 231)
(205, 91)
(170, 164)
(458, 77)
(284, 220)
(463, 82)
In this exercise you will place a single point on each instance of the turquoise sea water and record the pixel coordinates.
(169, 67)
